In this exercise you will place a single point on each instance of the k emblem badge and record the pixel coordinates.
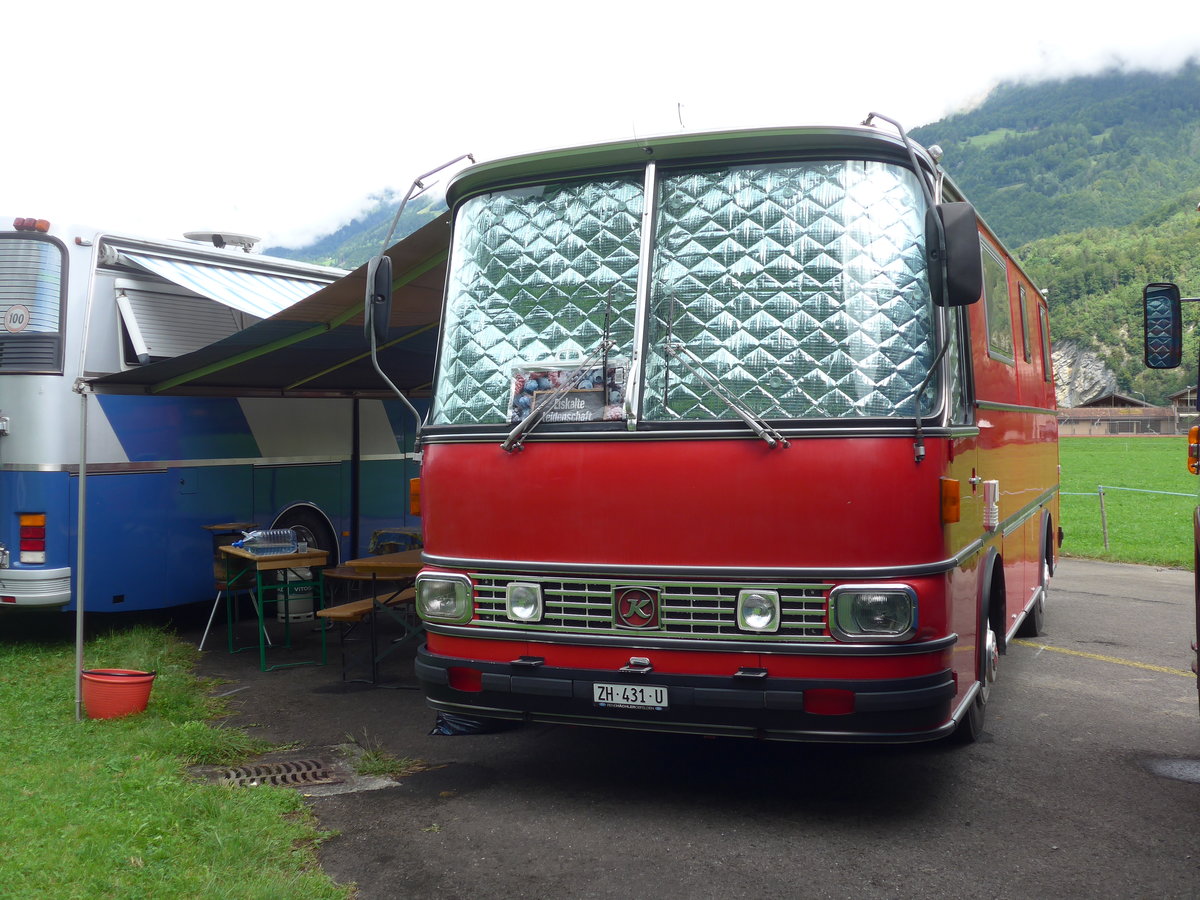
(636, 607)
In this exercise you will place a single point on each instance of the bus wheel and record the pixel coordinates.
(970, 728)
(1034, 623)
(310, 525)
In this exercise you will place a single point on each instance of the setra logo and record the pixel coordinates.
(637, 607)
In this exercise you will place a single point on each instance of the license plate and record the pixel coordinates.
(629, 696)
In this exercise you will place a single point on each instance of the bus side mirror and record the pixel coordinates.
(377, 310)
(959, 249)
(1161, 312)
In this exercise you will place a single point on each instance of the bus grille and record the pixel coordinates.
(687, 609)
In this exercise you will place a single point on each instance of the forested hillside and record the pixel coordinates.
(1093, 182)
(1064, 156)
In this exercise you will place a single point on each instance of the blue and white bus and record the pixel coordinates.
(76, 304)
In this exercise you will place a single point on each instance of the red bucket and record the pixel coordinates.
(109, 693)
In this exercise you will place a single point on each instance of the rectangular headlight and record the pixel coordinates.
(873, 612)
(444, 598)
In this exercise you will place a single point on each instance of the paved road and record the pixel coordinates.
(1087, 783)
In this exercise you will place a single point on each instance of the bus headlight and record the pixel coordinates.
(758, 610)
(873, 612)
(523, 601)
(444, 598)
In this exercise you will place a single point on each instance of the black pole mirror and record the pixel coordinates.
(953, 229)
(377, 311)
(1161, 312)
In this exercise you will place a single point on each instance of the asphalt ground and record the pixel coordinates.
(1060, 801)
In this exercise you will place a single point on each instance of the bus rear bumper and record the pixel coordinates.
(894, 710)
(35, 588)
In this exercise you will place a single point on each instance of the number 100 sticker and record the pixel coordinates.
(16, 318)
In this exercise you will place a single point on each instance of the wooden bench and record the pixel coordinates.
(349, 615)
(357, 610)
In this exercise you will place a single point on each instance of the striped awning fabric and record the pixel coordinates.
(257, 293)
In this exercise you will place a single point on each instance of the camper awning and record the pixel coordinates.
(256, 293)
(316, 347)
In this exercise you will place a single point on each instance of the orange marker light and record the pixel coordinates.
(951, 504)
(414, 496)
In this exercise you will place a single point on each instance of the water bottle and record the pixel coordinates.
(268, 541)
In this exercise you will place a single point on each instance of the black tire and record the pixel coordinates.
(970, 727)
(1034, 622)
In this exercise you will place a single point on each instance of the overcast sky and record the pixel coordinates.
(280, 119)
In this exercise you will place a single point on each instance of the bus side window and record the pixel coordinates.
(1044, 322)
(956, 325)
(997, 308)
(1023, 303)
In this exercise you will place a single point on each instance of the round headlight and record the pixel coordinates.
(523, 601)
(758, 610)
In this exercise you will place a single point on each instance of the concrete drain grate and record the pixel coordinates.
(288, 774)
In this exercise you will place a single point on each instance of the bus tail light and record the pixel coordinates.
(1194, 449)
(414, 496)
(33, 538)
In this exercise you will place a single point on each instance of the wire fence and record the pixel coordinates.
(1100, 489)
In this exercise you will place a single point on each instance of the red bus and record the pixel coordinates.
(746, 433)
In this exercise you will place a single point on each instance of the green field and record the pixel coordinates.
(1150, 528)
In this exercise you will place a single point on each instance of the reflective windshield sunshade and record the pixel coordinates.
(535, 275)
(801, 286)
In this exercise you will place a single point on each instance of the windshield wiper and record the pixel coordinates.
(757, 424)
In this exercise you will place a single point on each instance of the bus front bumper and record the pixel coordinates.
(893, 710)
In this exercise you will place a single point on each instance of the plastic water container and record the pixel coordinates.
(268, 541)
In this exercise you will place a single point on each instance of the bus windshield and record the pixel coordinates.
(799, 288)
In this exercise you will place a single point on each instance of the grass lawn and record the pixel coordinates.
(106, 809)
(1149, 528)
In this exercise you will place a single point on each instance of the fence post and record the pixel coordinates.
(1103, 515)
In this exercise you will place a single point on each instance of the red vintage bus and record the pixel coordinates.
(746, 433)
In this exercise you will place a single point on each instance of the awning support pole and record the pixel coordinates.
(81, 388)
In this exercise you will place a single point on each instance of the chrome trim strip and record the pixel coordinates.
(633, 386)
(1012, 407)
(965, 705)
(659, 642)
(674, 432)
(583, 570)
(1025, 513)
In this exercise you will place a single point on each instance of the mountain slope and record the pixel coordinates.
(1064, 156)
